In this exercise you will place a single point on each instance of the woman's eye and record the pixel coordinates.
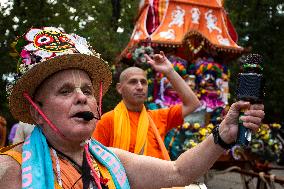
(87, 92)
(65, 91)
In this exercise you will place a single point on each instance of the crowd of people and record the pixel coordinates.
(59, 90)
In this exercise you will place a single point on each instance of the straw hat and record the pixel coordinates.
(47, 51)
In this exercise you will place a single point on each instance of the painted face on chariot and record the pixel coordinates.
(190, 80)
(208, 81)
(52, 41)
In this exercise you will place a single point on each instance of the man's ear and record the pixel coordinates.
(118, 88)
(36, 116)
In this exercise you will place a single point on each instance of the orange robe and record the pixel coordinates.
(69, 175)
(165, 120)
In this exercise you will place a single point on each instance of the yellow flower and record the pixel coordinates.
(263, 132)
(185, 125)
(276, 125)
(265, 126)
(265, 137)
(196, 126)
(203, 131)
(256, 145)
(210, 126)
(192, 143)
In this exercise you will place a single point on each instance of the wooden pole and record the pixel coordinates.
(268, 177)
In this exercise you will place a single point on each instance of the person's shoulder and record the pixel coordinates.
(107, 114)
(173, 110)
(122, 154)
(106, 120)
(10, 172)
(7, 162)
(106, 117)
(165, 109)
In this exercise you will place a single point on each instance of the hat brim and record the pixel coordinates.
(96, 68)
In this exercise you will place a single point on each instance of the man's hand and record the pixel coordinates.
(251, 119)
(160, 63)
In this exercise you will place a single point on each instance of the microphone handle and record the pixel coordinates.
(244, 134)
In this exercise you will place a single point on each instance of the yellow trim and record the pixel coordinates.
(6, 148)
(13, 154)
(122, 129)
(106, 174)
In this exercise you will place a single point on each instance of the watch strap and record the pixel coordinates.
(218, 140)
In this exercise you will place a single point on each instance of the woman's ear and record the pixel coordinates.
(35, 115)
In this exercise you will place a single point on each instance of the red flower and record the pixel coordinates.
(104, 181)
(129, 55)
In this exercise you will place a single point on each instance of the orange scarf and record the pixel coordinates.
(122, 131)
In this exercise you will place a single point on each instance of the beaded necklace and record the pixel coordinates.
(58, 175)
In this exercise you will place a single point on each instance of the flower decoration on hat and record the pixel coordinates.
(45, 51)
(47, 43)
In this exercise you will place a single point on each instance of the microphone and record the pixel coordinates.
(250, 88)
(86, 115)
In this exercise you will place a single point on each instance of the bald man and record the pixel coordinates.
(133, 128)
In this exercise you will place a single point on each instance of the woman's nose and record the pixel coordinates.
(81, 98)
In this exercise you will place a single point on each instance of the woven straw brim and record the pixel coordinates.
(96, 68)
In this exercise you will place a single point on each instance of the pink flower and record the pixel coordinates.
(26, 57)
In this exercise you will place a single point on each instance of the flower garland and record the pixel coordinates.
(210, 66)
(193, 49)
(138, 54)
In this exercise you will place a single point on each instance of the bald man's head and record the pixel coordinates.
(133, 88)
(129, 71)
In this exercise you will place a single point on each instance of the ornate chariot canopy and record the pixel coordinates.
(193, 24)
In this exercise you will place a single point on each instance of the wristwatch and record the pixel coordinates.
(218, 140)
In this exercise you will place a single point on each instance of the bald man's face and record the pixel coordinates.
(133, 87)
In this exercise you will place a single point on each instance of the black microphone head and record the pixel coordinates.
(86, 115)
(250, 81)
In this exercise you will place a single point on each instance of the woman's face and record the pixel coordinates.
(62, 96)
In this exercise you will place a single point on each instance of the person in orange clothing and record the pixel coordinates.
(133, 128)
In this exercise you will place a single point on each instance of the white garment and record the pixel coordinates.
(23, 130)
